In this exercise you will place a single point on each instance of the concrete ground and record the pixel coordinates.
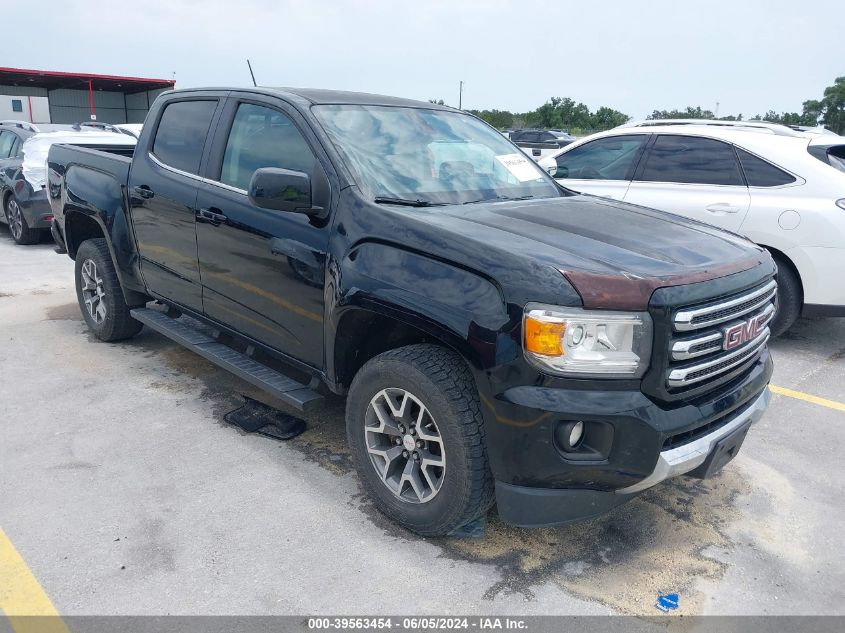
(125, 493)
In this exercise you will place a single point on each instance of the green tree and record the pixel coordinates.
(606, 118)
(833, 104)
(565, 113)
(497, 118)
(813, 110)
(690, 113)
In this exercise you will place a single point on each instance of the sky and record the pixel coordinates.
(635, 56)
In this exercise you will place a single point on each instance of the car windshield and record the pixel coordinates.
(430, 156)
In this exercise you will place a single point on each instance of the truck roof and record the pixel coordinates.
(321, 96)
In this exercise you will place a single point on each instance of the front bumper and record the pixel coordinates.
(537, 485)
(545, 507)
(688, 457)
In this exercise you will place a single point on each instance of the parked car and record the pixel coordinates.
(497, 336)
(782, 188)
(540, 143)
(132, 129)
(23, 155)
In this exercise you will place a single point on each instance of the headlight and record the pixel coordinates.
(582, 343)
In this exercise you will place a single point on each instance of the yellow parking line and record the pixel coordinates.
(806, 397)
(22, 596)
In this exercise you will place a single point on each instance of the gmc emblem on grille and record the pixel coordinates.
(741, 333)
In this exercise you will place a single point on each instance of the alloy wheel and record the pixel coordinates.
(15, 219)
(92, 291)
(405, 446)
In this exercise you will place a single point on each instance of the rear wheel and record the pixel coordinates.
(414, 425)
(18, 227)
(789, 298)
(100, 296)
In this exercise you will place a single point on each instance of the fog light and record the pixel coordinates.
(569, 435)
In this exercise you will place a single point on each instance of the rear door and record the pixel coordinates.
(163, 194)
(603, 167)
(692, 176)
(263, 271)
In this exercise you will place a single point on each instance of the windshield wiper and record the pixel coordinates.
(498, 199)
(407, 202)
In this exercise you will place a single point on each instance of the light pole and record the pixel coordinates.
(460, 94)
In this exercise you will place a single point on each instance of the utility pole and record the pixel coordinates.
(717, 109)
(460, 94)
(250, 73)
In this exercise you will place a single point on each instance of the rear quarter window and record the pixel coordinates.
(761, 173)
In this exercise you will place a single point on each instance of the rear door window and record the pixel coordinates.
(611, 158)
(760, 173)
(181, 134)
(691, 160)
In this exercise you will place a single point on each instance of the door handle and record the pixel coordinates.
(212, 216)
(144, 192)
(722, 207)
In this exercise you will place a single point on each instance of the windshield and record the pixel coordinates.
(430, 156)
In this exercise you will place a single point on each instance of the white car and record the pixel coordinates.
(782, 188)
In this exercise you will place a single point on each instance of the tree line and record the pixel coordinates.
(564, 113)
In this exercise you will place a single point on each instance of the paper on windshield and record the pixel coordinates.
(519, 166)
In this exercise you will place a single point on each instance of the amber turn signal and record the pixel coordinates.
(542, 337)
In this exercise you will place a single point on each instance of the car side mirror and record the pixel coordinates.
(552, 169)
(282, 190)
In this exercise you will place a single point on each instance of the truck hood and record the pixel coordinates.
(615, 254)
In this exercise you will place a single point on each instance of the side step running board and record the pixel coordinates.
(278, 385)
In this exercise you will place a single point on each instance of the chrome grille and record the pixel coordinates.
(701, 350)
(697, 318)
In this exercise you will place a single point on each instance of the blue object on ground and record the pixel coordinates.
(667, 602)
(473, 529)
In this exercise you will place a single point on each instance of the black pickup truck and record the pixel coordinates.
(498, 337)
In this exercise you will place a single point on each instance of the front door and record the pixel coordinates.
(263, 271)
(692, 176)
(163, 196)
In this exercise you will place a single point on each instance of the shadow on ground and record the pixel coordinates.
(661, 542)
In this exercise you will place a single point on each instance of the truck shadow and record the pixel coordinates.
(663, 541)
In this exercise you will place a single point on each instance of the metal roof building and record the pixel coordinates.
(44, 96)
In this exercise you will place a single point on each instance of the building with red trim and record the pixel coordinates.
(45, 96)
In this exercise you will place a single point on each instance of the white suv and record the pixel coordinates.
(783, 188)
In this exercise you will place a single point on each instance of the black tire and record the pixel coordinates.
(18, 228)
(442, 382)
(116, 324)
(790, 298)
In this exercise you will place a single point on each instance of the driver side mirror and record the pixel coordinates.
(282, 190)
(552, 169)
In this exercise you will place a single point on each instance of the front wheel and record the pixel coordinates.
(99, 294)
(18, 227)
(414, 425)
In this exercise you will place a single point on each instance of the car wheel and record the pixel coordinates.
(99, 293)
(414, 425)
(789, 298)
(18, 227)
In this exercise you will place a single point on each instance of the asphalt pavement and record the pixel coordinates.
(123, 491)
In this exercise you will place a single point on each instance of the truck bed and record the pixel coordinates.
(112, 159)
